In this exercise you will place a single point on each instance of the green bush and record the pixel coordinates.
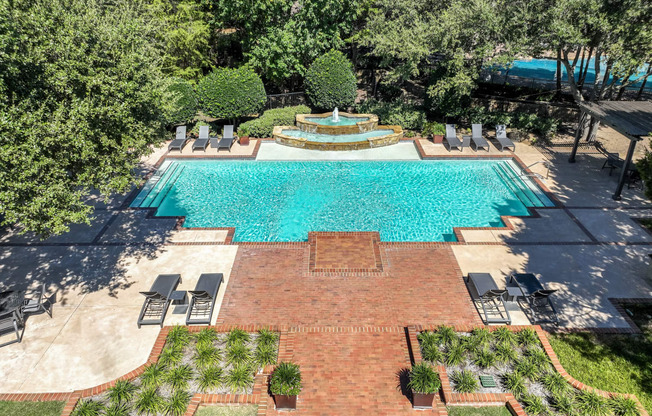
(179, 102)
(231, 93)
(286, 379)
(432, 128)
(264, 125)
(423, 379)
(330, 81)
(644, 166)
(406, 115)
(465, 381)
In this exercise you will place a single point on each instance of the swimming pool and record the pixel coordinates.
(284, 200)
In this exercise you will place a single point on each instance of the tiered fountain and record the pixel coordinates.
(337, 131)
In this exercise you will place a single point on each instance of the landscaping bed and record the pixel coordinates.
(517, 364)
(205, 362)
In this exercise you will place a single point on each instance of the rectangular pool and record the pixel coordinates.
(284, 200)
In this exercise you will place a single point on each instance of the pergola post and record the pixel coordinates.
(625, 170)
(578, 134)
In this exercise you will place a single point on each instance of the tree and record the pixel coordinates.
(179, 102)
(231, 93)
(330, 81)
(79, 106)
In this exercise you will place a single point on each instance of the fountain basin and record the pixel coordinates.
(295, 137)
(348, 124)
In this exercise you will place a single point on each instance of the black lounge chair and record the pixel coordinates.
(202, 140)
(451, 138)
(202, 303)
(180, 140)
(537, 296)
(11, 322)
(491, 298)
(157, 299)
(478, 140)
(36, 303)
(227, 140)
(501, 136)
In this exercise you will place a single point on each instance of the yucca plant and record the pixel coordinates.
(286, 379)
(484, 359)
(205, 337)
(527, 337)
(527, 368)
(555, 383)
(239, 378)
(592, 404)
(206, 355)
(538, 357)
(236, 336)
(505, 353)
(267, 337)
(179, 377)
(454, 355)
(424, 379)
(564, 403)
(121, 392)
(533, 404)
(179, 336)
(514, 383)
(428, 339)
(624, 406)
(431, 353)
(210, 378)
(471, 344)
(153, 375)
(465, 381)
(148, 402)
(265, 354)
(88, 408)
(117, 409)
(238, 353)
(171, 355)
(504, 336)
(177, 404)
(482, 335)
(447, 335)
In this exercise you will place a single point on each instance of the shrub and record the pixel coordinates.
(179, 377)
(88, 408)
(504, 336)
(447, 335)
(286, 379)
(240, 377)
(527, 368)
(514, 382)
(209, 378)
(432, 128)
(148, 402)
(432, 353)
(534, 405)
(330, 81)
(644, 166)
(423, 379)
(171, 355)
(153, 375)
(206, 337)
(121, 392)
(265, 354)
(592, 404)
(179, 336)
(231, 93)
(179, 102)
(206, 355)
(406, 115)
(505, 353)
(538, 357)
(465, 381)
(428, 338)
(484, 359)
(177, 404)
(564, 403)
(237, 336)
(117, 409)
(624, 406)
(267, 337)
(555, 383)
(527, 337)
(264, 125)
(237, 354)
(455, 354)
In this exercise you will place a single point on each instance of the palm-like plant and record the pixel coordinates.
(482, 335)
(534, 405)
(428, 339)
(423, 379)
(179, 377)
(592, 404)
(265, 354)
(117, 409)
(527, 337)
(527, 368)
(239, 378)
(538, 357)
(210, 378)
(485, 359)
(514, 383)
(237, 336)
(206, 355)
(505, 353)
(206, 337)
(555, 383)
(179, 336)
(153, 375)
(266, 337)
(564, 403)
(431, 353)
(502, 335)
(122, 392)
(447, 334)
(454, 355)
(177, 404)
(171, 355)
(88, 408)
(286, 379)
(465, 381)
(238, 353)
(148, 402)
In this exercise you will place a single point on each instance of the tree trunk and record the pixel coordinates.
(640, 90)
(593, 129)
(586, 69)
(558, 73)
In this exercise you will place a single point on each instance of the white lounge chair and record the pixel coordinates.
(501, 136)
(451, 138)
(477, 138)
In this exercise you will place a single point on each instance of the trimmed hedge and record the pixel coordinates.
(398, 113)
(264, 125)
(231, 93)
(179, 102)
(330, 81)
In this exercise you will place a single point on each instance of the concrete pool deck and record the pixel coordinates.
(589, 248)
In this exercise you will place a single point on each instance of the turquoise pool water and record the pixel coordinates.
(337, 138)
(283, 201)
(344, 121)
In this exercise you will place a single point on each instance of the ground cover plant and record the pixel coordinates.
(31, 408)
(204, 362)
(478, 411)
(519, 365)
(228, 410)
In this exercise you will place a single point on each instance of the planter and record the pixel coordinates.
(244, 140)
(422, 401)
(438, 138)
(285, 402)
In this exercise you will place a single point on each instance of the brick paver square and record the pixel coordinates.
(345, 251)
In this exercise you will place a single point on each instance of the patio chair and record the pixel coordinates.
(501, 136)
(157, 299)
(613, 162)
(537, 296)
(491, 298)
(180, 140)
(37, 302)
(477, 139)
(10, 322)
(202, 141)
(227, 140)
(451, 138)
(202, 303)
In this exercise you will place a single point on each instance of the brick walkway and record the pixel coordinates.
(351, 373)
(274, 285)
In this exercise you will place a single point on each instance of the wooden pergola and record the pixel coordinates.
(632, 119)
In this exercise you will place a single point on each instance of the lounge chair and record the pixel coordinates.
(227, 139)
(37, 302)
(477, 139)
(180, 140)
(537, 296)
(491, 298)
(202, 140)
(501, 136)
(202, 303)
(11, 322)
(451, 138)
(157, 299)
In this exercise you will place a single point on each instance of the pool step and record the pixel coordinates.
(517, 186)
(147, 193)
(531, 185)
(167, 186)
